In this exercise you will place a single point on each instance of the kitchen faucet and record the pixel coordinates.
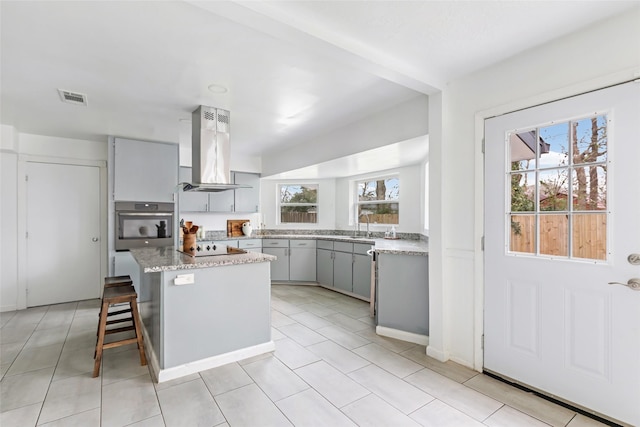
(366, 215)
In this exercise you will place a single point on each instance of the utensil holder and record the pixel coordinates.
(189, 241)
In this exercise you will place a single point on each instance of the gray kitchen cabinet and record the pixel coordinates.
(343, 271)
(361, 270)
(247, 199)
(344, 266)
(302, 260)
(279, 267)
(197, 201)
(324, 266)
(144, 171)
(296, 259)
(403, 299)
(240, 200)
(221, 201)
(191, 201)
(250, 245)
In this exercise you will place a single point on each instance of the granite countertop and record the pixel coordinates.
(383, 246)
(167, 258)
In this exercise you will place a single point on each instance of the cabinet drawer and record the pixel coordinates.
(250, 243)
(232, 243)
(343, 247)
(275, 243)
(325, 244)
(302, 244)
(361, 248)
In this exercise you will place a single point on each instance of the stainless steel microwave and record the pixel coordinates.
(141, 224)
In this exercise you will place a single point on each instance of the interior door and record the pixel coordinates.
(562, 221)
(63, 226)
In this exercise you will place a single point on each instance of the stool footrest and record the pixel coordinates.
(115, 313)
(111, 322)
(118, 330)
(119, 343)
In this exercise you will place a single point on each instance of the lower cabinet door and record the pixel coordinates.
(279, 267)
(362, 275)
(343, 271)
(302, 264)
(324, 265)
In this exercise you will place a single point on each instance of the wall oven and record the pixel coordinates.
(141, 224)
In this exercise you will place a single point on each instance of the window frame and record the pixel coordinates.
(279, 203)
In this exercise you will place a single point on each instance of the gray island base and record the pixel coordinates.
(204, 312)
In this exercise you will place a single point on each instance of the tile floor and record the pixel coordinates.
(329, 369)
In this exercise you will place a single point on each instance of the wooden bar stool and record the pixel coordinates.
(113, 281)
(118, 295)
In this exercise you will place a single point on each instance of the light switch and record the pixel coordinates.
(184, 279)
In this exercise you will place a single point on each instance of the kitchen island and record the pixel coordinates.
(203, 312)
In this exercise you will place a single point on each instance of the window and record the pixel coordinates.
(379, 198)
(298, 203)
(558, 179)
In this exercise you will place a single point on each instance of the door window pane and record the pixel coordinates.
(590, 140)
(554, 146)
(589, 185)
(523, 186)
(554, 236)
(553, 190)
(523, 234)
(590, 236)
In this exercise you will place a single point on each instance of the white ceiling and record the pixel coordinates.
(294, 69)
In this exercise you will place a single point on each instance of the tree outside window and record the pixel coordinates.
(298, 203)
(380, 199)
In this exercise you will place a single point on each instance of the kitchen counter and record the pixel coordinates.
(388, 246)
(203, 312)
(168, 258)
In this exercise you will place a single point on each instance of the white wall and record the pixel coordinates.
(398, 123)
(410, 200)
(326, 204)
(597, 56)
(16, 148)
(8, 218)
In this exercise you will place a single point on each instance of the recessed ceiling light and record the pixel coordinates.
(217, 88)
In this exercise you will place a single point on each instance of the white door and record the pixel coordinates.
(63, 226)
(562, 216)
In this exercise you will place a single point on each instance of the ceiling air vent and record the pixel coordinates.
(72, 97)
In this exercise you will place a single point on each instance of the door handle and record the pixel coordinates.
(633, 284)
(95, 239)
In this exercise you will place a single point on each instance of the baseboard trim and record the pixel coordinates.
(8, 308)
(402, 335)
(162, 375)
(437, 354)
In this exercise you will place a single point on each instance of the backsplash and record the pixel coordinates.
(222, 234)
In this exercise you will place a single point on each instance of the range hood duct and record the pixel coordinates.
(210, 151)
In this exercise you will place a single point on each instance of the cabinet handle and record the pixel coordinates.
(231, 208)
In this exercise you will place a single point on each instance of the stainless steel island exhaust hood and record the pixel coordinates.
(210, 151)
